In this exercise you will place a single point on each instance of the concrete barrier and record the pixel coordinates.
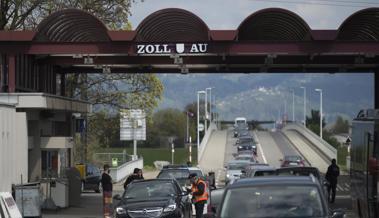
(212, 127)
(121, 172)
(329, 151)
(159, 164)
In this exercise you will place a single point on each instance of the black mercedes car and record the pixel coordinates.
(161, 198)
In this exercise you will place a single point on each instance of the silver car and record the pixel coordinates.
(234, 169)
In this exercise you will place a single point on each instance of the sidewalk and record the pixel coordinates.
(91, 203)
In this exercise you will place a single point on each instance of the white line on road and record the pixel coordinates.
(260, 148)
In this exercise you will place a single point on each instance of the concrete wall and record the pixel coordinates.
(329, 151)
(13, 147)
(121, 172)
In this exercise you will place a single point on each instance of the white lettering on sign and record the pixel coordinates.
(167, 48)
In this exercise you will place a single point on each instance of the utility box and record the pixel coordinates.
(28, 199)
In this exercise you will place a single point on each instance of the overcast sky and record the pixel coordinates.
(228, 14)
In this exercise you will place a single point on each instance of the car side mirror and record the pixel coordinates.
(117, 197)
(338, 213)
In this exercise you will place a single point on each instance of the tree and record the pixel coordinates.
(340, 126)
(167, 123)
(116, 91)
(313, 122)
(21, 14)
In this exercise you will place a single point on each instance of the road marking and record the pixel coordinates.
(340, 188)
(260, 148)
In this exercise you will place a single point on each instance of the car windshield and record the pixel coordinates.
(246, 140)
(292, 158)
(265, 173)
(243, 158)
(273, 201)
(237, 166)
(151, 189)
(176, 174)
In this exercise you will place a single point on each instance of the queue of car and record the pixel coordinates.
(259, 190)
(252, 189)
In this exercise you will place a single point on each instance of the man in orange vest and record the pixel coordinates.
(199, 194)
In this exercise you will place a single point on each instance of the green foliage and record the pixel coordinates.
(116, 91)
(331, 140)
(104, 129)
(342, 153)
(21, 14)
(164, 124)
(313, 122)
(341, 126)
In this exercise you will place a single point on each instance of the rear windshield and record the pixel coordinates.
(176, 174)
(273, 201)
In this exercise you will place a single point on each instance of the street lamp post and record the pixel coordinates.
(305, 107)
(293, 105)
(198, 121)
(320, 91)
(206, 112)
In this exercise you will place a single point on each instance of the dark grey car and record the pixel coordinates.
(294, 196)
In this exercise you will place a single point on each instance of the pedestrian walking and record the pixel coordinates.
(106, 182)
(137, 175)
(199, 194)
(331, 176)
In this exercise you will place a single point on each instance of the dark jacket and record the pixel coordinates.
(131, 178)
(332, 173)
(106, 182)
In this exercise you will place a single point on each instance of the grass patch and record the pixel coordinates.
(153, 154)
(342, 153)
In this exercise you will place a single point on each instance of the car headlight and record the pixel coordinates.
(240, 147)
(227, 175)
(254, 146)
(120, 210)
(170, 208)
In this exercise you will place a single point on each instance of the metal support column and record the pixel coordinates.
(376, 89)
(11, 73)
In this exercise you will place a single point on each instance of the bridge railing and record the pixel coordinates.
(212, 127)
(329, 151)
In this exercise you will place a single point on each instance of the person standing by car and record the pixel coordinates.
(199, 194)
(137, 175)
(106, 181)
(331, 176)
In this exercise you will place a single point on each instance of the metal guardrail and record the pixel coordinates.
(328, 150)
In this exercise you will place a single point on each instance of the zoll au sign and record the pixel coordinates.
(178, 48)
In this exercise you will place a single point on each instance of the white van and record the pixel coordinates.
(240, 120)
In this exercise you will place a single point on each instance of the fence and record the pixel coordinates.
(112, 158)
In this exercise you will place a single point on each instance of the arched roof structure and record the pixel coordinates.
(274, 24)
(172, 25)
(71, 25)
(361, 26)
